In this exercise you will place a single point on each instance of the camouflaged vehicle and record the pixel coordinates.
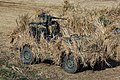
(44, 40)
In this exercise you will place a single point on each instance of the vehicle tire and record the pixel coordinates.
(69, 64)
(26, 55)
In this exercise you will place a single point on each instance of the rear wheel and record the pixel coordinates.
(69, 64)
(26, 55)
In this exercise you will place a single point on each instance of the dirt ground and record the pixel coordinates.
(11, 9)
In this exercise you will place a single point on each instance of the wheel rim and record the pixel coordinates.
(27, 55)
(70, 64)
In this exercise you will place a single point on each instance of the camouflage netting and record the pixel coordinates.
(43, 50)
(99, 41)
(102, 41)
(20, 36)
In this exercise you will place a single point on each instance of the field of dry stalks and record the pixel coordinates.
(93, 18)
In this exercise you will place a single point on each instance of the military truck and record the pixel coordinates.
(44, 40)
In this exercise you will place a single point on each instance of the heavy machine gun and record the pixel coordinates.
(50, 27)
(47, 20)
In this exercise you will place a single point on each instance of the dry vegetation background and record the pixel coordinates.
(85, 17)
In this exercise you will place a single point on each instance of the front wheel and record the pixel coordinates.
(26, 55)
(69, 64)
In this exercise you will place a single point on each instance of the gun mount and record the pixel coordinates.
(50, 27)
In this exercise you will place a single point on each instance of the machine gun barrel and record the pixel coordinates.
(46, 16)
(58, 18)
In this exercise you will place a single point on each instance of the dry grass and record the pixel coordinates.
(98, 44)
(99, 26)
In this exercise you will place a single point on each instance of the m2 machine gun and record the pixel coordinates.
(50, 27)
